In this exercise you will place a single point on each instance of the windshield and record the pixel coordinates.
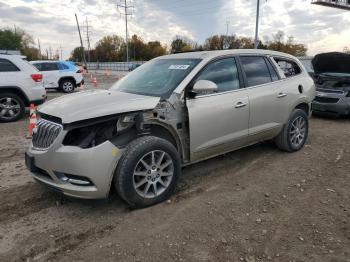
(157, 77)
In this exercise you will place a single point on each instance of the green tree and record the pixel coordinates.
(19, 40)
(110, 48)
(182, 44)
(9, 40)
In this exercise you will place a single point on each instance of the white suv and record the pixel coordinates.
(20, 85)
(61, 75)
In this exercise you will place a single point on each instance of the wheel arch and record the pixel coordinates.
(303, 106)
(166, 132)
(17, 91)
(67, 78)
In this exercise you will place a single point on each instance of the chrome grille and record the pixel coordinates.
(45, 134)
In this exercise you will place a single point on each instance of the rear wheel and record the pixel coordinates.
(67, 86)
(12, 107)
(295, 132)
(147, 172)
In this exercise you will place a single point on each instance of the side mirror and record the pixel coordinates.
(204, 86)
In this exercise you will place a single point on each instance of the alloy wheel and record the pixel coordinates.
(67, 87)
(10, 108)
(153, 174)
(297, 131)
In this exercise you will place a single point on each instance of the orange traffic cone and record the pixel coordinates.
(94, 82)
(32, 120)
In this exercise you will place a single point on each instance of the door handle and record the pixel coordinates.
(240, 105)
(281, 95)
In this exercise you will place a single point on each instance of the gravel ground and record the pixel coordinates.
(255, 204)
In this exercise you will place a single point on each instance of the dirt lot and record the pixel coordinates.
(256, 204)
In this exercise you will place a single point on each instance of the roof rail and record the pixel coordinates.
(189, 51)
(10, 52)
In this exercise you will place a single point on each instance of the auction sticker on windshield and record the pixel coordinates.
(179, 67)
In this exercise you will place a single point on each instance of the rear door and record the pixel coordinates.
(218, 122)
(51, 74)
(10, 74)
(263, 83)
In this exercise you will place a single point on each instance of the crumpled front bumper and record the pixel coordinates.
(331, 103)
(54, 166)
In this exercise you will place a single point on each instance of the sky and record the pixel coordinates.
(320, 28)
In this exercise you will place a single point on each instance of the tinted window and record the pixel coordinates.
(62, 66)
(49, 67)
(256, 70)
(7, 66)
(273, 72)
(290, 68)
(38, 66)
(223, 73)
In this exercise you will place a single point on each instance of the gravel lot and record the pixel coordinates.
(255, 204)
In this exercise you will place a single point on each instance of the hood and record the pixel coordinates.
(96, 103)
(331, 63)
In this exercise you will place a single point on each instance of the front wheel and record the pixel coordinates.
(67, 86)
(294, 134)
(147, 172)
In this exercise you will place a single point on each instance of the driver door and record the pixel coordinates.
(218, 122)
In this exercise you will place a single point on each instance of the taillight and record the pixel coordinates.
(37, 77)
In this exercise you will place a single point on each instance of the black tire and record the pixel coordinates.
(124, 179)
(67, 86)
(284, 139)
(15, 100)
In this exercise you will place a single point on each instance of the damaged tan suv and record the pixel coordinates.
(170, 112)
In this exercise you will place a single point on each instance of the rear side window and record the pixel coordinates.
(7, 66)
(49, 67)
(38, 66)
(223, 73)
(62, 66)
(289, 67)
(256, 70)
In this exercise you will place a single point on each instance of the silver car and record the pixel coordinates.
(170, 112)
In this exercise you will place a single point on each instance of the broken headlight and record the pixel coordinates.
(96, 134)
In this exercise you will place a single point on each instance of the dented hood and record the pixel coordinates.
(96, 103)
(331, 63)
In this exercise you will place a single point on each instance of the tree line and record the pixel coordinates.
(18, 39)
(112, 48)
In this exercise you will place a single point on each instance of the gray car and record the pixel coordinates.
(332, 78)
(170, 112)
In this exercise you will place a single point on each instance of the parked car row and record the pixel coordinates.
(23, 83)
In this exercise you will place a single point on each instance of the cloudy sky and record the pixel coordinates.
(53, 21)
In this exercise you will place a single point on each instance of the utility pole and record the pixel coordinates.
(256, 43)
(126, 13)
(81, 42)
(88, 38)
(227, 26)
(61, 52)
(40, 56)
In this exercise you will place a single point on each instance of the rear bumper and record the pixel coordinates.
(342, 107)
(81, 83)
